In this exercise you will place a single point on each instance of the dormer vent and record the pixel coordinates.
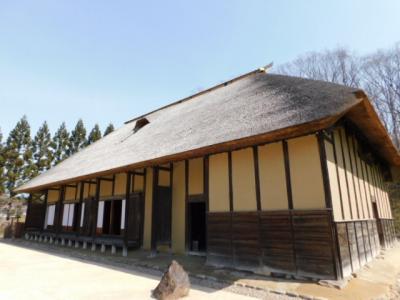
(140, 124)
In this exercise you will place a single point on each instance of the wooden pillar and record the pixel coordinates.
(60, 209)
(324, 169)
(127, 203)
(45, 210)
(171, 180)
(231, 204)
(26, 224)
(79, 212)
(187, 246)
(154, 233)
(96, 208)
(287, 174)
(206, 193)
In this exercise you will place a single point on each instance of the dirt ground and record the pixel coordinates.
(37, 270)
(29, 274)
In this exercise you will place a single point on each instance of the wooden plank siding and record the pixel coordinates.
(357, 243)
(290, 242)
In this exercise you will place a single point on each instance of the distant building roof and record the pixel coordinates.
(254, 108)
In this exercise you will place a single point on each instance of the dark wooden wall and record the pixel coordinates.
(358, 244)
(387, 233)
(35, 216)
(290, 242)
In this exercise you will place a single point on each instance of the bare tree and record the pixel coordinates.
(378, 74)
(337, 66)
(381, 81)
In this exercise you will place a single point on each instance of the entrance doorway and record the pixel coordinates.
(112, 217)
(197, 227)
(378, 224)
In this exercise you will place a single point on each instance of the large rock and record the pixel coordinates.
(174, 284)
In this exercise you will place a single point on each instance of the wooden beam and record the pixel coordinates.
(127, 204)
(45, 207)
(28, 209)
(144, 199)
(230, 181)
(324, 169)
(81, 192)
(96, 207)
(60, 209)
(168, 169)
(206, 194)
(257, 177)
(105, 179)
(230, 202)
(113, 185)
(138, 173)
(154, 233)
(171, 182)
(287, 173)
(187, 246)
(74, 186)
(89, 181)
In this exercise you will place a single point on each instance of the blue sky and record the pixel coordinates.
(108, 61)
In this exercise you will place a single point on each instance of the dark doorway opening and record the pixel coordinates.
(378, 223)
(106, 217)
(77, 219)
(197, 230)
(112, 217)
(116, 217)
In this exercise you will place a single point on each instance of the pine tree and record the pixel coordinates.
(60, 144)
(18, 163)
(2, 162)
(109, 129)
(78, 138)
(94, 135)
(41, 148)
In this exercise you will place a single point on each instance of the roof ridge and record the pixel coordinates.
(225, 83)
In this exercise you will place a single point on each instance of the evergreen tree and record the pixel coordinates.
(60, 144)
(2, 162)
(41, 148)
(109, 129)
(77, 141)
(18, 153)
(94, 135)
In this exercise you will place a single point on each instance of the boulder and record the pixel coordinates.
(174, 284)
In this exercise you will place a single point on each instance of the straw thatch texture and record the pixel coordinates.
(255, 104)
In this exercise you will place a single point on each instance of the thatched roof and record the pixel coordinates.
(256, 107)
